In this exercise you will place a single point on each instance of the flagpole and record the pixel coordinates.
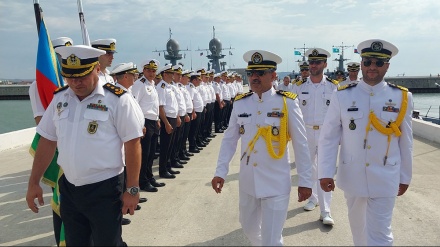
(82, 22)
(38, 15)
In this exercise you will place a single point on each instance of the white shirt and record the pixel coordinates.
(180, 99)
(106, 78)
(37, 107)
(196, 97)
(187, 97)
(218, 90)
(283, 87)
(167, 99)
(146, 95)
(362, 171)
(264, 176)
(225, 91)
(88, 157)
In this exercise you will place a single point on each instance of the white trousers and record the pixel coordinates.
(318, 195)
(262, 219)
(370, 220)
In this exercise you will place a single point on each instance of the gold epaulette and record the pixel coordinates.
(143, 79)
(289, 95)
(242, 96)
(397, 86)
(60, 89)
(114, 89)
(347, 86)
(336, 82)
(299, 82)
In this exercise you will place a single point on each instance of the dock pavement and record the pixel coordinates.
(187, 212)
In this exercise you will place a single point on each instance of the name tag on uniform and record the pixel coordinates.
(244, 115)
(304, 92)
(352, 109)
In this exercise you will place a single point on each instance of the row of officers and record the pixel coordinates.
(179, 107)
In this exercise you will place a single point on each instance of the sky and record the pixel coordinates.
(280, 26)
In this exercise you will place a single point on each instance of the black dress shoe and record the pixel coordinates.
(211, 135)
(200, 144)
(176, 165)
(137, 207)
(125, 221)
(156, 184)
(172, 172)
(142, 199)
(193, 150)
(224, 128)
(198, 148)
(183, 157)
(188, 154)
(149, 188)
(219, 131)
(183, 162)
(166, 175)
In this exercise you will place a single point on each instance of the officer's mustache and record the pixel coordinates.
(256, 81)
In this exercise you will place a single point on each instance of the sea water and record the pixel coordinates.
(17, 114)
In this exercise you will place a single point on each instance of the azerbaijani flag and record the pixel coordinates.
(48, 68)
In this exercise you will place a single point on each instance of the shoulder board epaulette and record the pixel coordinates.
(191, 85)
(143, 79)
(347, 86)
(332, 81)
(397, 86)
(301, 81)
(114, 89)
(287, 94)
(163, 85)
(242, 96)
(60, 89)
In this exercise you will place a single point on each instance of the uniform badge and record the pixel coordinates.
(352, 125)
(59, 105)
(376, 46)
(275, 131)
(65, 104)
(390, 103)
(327, 102)
(256, 58)
(93, 127)
(241, 130)
(304, 102)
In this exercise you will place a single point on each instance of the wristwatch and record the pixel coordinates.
(133, 190)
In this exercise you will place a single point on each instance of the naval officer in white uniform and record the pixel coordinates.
(372, 122)
(353, 71)
(265, 119)
(314, 95)
(89, 123)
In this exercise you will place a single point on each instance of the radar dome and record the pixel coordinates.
(215, 46)
(173, 47)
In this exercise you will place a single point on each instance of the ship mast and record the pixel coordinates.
(341, 58)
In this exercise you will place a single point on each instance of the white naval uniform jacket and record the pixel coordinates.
(314, 99)
(361, 171)
(264, 176)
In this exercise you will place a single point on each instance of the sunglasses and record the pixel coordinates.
(317, 62)
(257, 72)
(378, 63)
(304, 70)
